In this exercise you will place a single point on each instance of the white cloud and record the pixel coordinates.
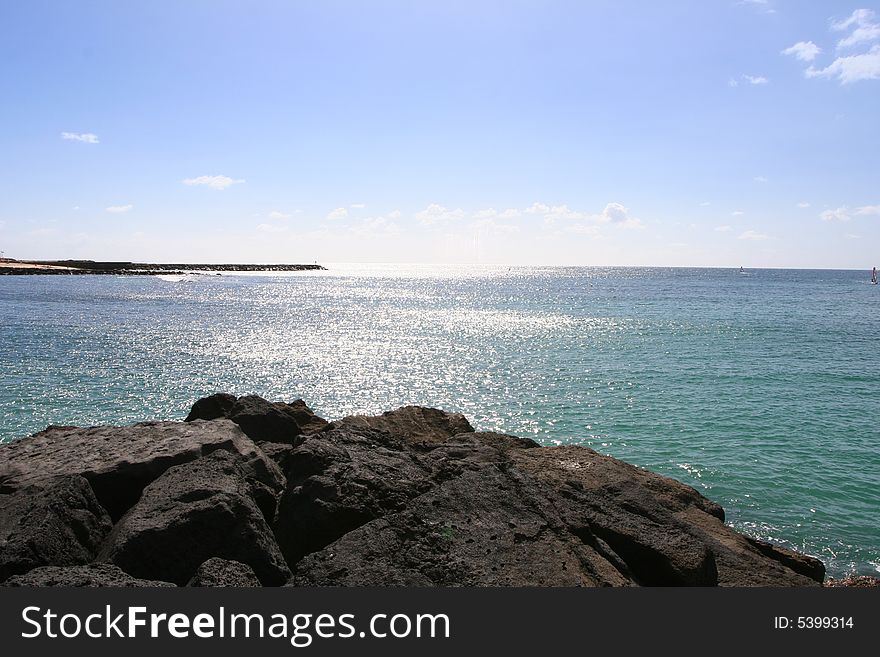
(861, 65)
(806, 51)
(761, 5)
(737, 213)
(840, 214)
(86, 137)
(753, 236)
(214, 182)
(613, 213)
(509, 213)
(843, 213)
(435, 214)
(119, 209)
(751, 79)
(852, 68)
(705, 204)
(616, 213)
(554, 213)
(723, 229)
(277, 214)
(803, 204)
(338, 213)
(852, 236)
(760, 179)
(383, 226)
(358, 206)
(537, 208)
(858, 17)
(866, 29)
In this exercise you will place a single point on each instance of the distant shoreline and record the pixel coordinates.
(10, 267)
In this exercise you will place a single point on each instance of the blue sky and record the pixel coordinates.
(716, 133)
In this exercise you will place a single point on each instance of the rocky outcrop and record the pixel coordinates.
(62, 524)
(92, 576)
(118, 462)
(417, 425)
(476, 529)
(667, 533)
(261, 420)
(410, 497)
(195, 511)
(498, 511)
(222, 573)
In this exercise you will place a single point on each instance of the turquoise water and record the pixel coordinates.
(762, 390)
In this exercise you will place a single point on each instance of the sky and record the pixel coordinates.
(608, 132)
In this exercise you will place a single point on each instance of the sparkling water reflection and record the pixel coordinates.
(760, 390)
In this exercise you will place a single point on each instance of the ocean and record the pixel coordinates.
(760, 389)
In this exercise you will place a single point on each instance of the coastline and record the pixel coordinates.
(247, 490)
(11, 267)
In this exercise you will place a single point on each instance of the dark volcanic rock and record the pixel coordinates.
(500, 512)
(799, 563)
(223, 572)
(667, 532)
(119, 462)
(212, 407)
(345, 477)
(261, 420)
(279, 453)
(486, 527)
(92, 575)
(412, 497)
(62, 524)
(339, 480)
(195, 511)
(416, 425)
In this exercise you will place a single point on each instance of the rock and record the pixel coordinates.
(799, 563)
(666, 532)
(223, 572)
(201, 509)
(412, 497)
(261, 420)
(486, 527)
(61, 525)
(278, 453)
(213, 407)
(342, 478)
(498, 511)
(339, 480)
(418, 426)
(92, 576)
(119, 462)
